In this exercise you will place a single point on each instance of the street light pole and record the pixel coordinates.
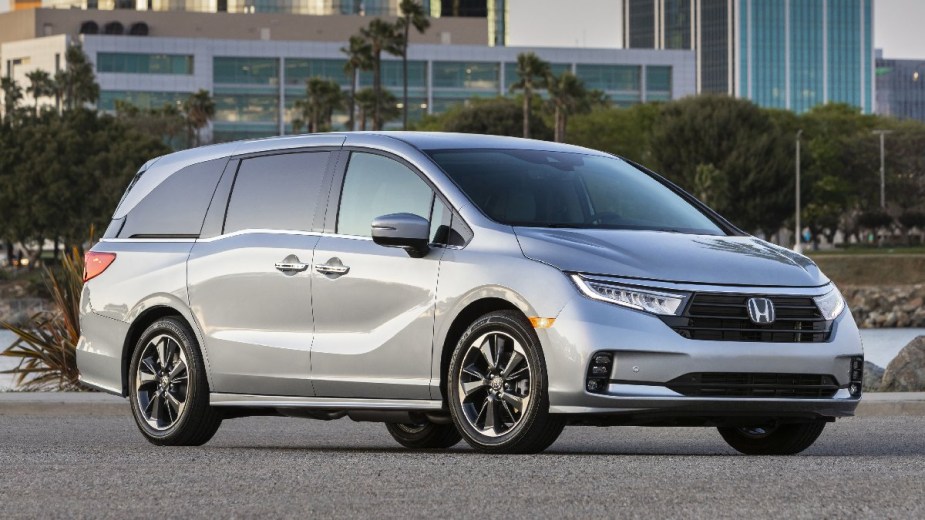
(882, 133)
(798, 246)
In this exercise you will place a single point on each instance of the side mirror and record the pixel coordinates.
(405, 230)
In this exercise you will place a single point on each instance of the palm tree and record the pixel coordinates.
(366, 102)
(533, 73)
(77, 84)
(359, 57)
(322, 98)
(199, 109)
(412, 14)
(568, 95)
(12, 95)
(40, 85)
(382, 36)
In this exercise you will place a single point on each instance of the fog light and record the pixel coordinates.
(599, 372)
(856, 376)
(854, 389)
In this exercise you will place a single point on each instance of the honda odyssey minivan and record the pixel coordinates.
(453, 287)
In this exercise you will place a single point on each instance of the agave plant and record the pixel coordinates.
(47, 345)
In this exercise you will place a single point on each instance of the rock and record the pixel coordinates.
(906, 373)
(873, 375)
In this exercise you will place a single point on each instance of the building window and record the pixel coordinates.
(142, 99)
(131, 63)
(299, 71)
(658, 83)
(468, 75)
(245, 71)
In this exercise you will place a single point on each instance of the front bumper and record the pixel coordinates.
(648, 354)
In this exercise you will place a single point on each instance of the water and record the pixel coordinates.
(880, 347)
(6, 363)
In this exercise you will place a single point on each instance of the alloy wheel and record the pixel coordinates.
(495, 384)
(162, 382)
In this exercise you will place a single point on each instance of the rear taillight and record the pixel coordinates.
(95, 263)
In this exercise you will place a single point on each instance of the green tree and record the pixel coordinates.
(76, 85)
(567, 96)
(498, 116)
(359, 58)
(742, 148)
(382, 37)
(367, 101)
(199, 109)
(412, 15)
(626, 132)
(12, 95)
(168, 122)
(40, 85)
(322, 98)
(533, 74)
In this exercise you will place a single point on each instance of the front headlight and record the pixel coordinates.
(655, 302)
(830, 304)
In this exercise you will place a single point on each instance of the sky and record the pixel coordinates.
(898, 25)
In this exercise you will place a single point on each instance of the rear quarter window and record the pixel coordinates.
(177, 206)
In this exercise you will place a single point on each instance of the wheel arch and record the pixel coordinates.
(465, 317)
(143, 317)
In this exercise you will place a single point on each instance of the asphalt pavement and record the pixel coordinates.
(82, 464)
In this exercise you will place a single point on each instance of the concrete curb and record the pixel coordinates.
(46, 404)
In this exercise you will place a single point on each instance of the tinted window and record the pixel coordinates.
(277, 192)
(556, 189)
(376, 186)
(176, 207)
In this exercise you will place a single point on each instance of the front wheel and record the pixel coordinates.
(497, 389)
(424, 436)
(782, 439)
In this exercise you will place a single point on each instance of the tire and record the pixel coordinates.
(496, 381)
(427, 436)
(783, 439)
(170, 404)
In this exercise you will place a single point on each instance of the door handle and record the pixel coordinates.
(288, 267)
(331, 269)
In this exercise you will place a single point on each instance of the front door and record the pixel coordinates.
(374, 305)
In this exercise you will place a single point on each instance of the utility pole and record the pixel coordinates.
(797, 230)
(882, 133)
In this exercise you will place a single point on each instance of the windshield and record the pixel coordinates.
(568, 190)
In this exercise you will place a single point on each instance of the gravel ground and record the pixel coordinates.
(101, 467)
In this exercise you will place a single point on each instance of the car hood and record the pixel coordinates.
(670, 257)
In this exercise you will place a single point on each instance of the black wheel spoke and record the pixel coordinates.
(495, 399)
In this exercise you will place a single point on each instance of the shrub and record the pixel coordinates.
(47, 345)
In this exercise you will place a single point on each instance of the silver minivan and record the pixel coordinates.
(454, 286)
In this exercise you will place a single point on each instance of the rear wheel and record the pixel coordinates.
(497, 387)
(424, 436)
(782, 439)
(168, 390)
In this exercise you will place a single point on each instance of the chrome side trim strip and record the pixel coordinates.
(339, 403)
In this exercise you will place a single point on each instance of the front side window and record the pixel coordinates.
(375, 186)
(276, 192)
(569, 190)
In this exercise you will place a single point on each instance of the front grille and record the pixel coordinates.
(724, 317)
(748, 384)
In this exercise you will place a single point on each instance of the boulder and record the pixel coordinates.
(906, 373)
(873, 376)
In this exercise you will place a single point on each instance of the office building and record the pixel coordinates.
(256, 65)
(790, 54)
(901, 88)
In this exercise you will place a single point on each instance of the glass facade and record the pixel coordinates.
(796, 54)
(130, 63)
(714, 37)
(140, 99)
(658, 83)
(621, 83)
(247, 90)
(677, 27)
(640, 16)
(901, 88)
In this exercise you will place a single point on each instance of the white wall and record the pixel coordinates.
(565, 23)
